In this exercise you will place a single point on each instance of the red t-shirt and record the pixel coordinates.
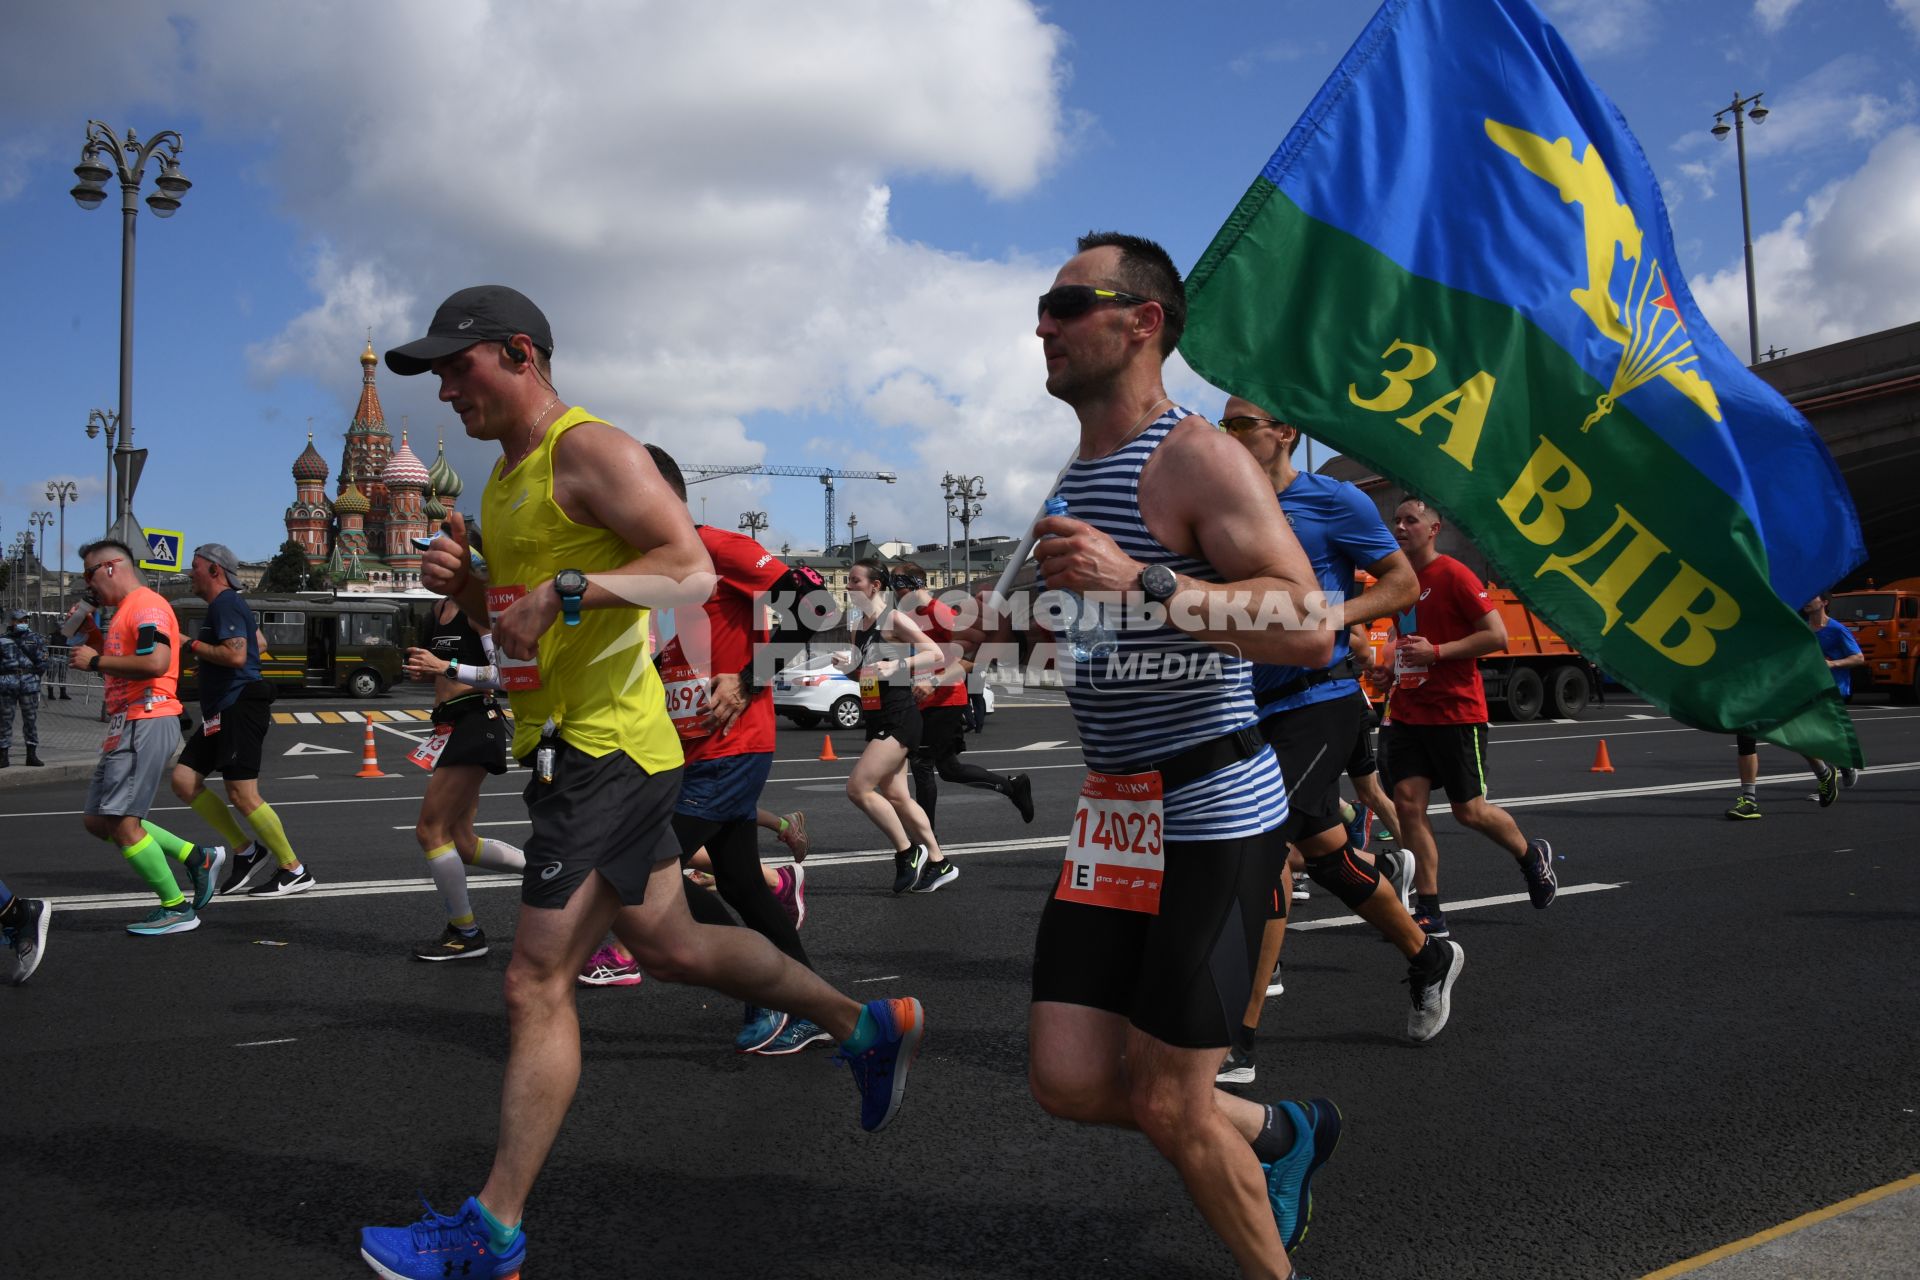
(718, 639)
(1452, 602)
(151, 697)
(937, 620)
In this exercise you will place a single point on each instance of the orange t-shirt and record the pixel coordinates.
(154, 696)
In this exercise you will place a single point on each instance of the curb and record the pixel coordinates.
(20, 775)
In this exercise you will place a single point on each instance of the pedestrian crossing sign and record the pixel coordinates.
(163, 549)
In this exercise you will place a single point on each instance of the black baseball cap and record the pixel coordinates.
(484, 313)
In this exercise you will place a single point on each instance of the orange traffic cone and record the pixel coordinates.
(369, 762)
(1602, 763)
(826, 748)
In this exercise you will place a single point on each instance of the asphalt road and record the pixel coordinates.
(1711, 1032)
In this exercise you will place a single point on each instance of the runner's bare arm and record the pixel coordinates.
(604, 478)
(1395, 587)
(1489, 635)
(926, 657)
(228, 653)
(1202, 495)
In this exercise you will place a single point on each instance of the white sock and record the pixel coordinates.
(499, 856)
(450, 878)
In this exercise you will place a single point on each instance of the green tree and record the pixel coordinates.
(287, 571)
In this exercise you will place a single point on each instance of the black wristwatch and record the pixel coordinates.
(1158, 583)
(571, 586)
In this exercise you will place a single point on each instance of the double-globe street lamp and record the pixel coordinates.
(63, 492)
(1742, 110)
(39, 520)
(963, 503)
(101, 422)
(130, 158)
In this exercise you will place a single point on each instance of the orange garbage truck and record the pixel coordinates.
(1886, 622)
(1537, 674)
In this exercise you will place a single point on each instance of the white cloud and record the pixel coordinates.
(1597, 30)
(1840, 266)
(1773, 14)
(1909, 12)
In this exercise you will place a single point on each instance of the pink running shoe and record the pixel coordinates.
(605, 968)
(795, 836)
(792, 893)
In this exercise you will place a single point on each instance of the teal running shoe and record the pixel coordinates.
(762, 1027)
(880, 1071)
(440, 1245)
(800, 1033)
(1316, 1130)
(178, 918)
(203, 866)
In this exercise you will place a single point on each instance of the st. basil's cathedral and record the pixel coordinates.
(363, 537)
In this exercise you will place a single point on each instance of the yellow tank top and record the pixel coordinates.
(597, 681)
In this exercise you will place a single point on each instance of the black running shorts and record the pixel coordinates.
(1362, 761)
(1450, 756)
(1183, 976)
(235, 749)
(1313, 744)
(942, 732)
(603, 814)
(481, 732)
(898, 718)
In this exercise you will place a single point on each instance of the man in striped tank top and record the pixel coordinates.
(1146, 949)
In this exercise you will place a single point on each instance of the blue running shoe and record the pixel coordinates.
(1316, 1129)
(439, 1245)
(762, 1027)
(880, 1071)
(1361, 827)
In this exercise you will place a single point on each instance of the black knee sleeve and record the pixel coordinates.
(1345, 875)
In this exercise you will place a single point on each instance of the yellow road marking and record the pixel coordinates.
(377, 717)
(1785, 1228)
(330, 717)
(284, 717)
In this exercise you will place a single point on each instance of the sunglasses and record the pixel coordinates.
(1243, 422)
(87, 574)
(1070, 300)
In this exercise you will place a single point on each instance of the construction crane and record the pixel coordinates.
(694, 473)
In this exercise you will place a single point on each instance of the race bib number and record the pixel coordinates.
(869, 692)
(427, 754)
(116, 729)
(210, 726)
(1406, 674)
(1115, 853)
(517, 675)
(686, 699)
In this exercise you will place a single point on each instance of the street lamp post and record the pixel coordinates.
(63, 492)
(753, 522)
(967, 492)
(1742, 110)
(853, 523)
(101, 422)
(39, 520)
(946, 493)
(17, 579)
(130, 158)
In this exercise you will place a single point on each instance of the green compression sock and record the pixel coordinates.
(266, 824)
(170, 844)
(147, 859)
(214, 812)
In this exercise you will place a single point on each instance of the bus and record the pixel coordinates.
(323, 643)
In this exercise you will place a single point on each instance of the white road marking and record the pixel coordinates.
(351, 717)
(1051, 745)
(1636, 716)
(254, 1044)
(1471, 904)
(891, 977)
(309, 749)
(307, 717)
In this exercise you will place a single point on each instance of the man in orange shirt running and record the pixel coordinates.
(138, 654)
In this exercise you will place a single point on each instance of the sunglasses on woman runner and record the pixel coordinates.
(1066, 301)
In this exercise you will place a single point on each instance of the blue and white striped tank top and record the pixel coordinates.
(1164, 691)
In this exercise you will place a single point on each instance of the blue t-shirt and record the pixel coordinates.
(228, 618)
(1340, 531)
(1837, 642)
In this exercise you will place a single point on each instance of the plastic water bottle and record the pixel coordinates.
(1087, 637)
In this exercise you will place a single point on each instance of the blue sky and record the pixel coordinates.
(765, 236)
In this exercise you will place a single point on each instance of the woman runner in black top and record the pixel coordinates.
(469, 742)
(890, 650)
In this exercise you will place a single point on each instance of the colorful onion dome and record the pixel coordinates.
(310, 465)
(404, 469)
(446, 482)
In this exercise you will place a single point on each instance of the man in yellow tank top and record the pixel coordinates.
(583, 539)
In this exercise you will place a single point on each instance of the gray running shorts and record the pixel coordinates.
(125, 780)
